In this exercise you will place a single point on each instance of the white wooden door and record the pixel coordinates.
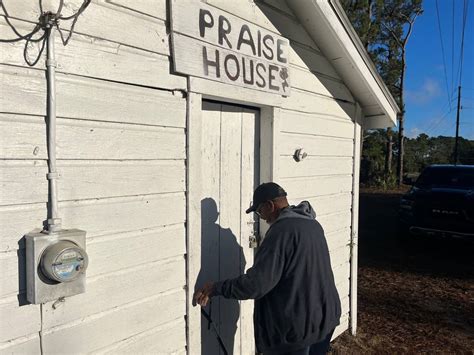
(230, 141)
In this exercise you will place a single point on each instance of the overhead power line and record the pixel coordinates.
(442, 51)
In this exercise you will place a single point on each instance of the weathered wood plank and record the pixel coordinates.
(98, 58)
(129, 250)
(240, 69)
(314, 166)
(313, 82)
(318, 186)
(164, 339)
(312, 60)
(114, 290)
(24, 345)
(327, 204)
(304, 101)
(116, 324)
(322, 125)
(342, 327)
(315, 146)
(148, 33)
(266, 17)
(155, 8)
(25, 138)
(232, 93)
(340, 256)
(17, 321)
(96, 216)
(334, 222)
(126, 250)
(81, 180)
(341, 278)
(338, 238)
(24, 91)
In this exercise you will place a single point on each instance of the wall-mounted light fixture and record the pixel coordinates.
(300, 154)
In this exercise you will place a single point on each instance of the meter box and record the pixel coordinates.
(55, 265)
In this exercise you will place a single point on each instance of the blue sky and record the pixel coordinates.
(428, 108)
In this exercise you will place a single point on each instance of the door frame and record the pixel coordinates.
(269, 105)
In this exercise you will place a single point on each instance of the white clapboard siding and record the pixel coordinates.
(315, 166)
(266, 17)
(100, 330)
(304, 101)
(302, 188)
(98, 58)
(165, 339)
(125, 250)
(117, 289)
(312, 82)
(336, 221)
(312, 60)
(155, 8)
(17, 321)
(96, 216)
(88, 179)
(24, 138)
(128, 249)
(342, 327)
(322, 125)
(12, 265)
(102, 20)
(340, 256)
(315, 145)
(341, 278)
(326, 204)
(29, 344)
(338, 238)
(24, 91)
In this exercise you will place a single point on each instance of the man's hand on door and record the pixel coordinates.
(203, 295)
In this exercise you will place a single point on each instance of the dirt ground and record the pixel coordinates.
(415, 295)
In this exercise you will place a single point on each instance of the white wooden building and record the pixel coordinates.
(160, 144)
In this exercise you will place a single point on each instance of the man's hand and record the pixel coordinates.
(203, 295)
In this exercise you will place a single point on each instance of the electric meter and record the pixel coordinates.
(63, 261)
(55, 265)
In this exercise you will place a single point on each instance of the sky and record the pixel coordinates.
(428, 91)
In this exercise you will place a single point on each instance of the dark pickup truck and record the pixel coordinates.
(441, 202)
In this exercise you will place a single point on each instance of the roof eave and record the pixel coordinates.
(326, 22)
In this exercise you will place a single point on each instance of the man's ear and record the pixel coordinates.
(272, 206)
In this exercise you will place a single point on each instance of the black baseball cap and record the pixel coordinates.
(265, 192)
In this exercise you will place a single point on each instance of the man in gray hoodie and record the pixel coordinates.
(297, 305)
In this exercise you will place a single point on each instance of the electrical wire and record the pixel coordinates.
(461, 58)
(47, 19)
(442, 50)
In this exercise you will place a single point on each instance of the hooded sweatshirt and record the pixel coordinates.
(291, 280)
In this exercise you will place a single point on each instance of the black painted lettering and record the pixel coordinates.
(207, 62)
(261, 75)
(224, 30)
(226, 67)
(203, 23)
(280, 44)
(271, 77)
(267, 38)
(259, 43)
(248, 41)
(250, 70)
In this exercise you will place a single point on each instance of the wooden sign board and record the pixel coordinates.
(216, 45)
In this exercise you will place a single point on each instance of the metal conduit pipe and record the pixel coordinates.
(54, 222)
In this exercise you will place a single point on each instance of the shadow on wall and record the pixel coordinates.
(221, 258)
(307, 55)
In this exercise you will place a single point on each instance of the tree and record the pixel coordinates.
(397, 20)
(384, 28)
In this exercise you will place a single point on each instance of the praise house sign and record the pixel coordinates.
(216, 45)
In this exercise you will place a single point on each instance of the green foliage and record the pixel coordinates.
(420, 152)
